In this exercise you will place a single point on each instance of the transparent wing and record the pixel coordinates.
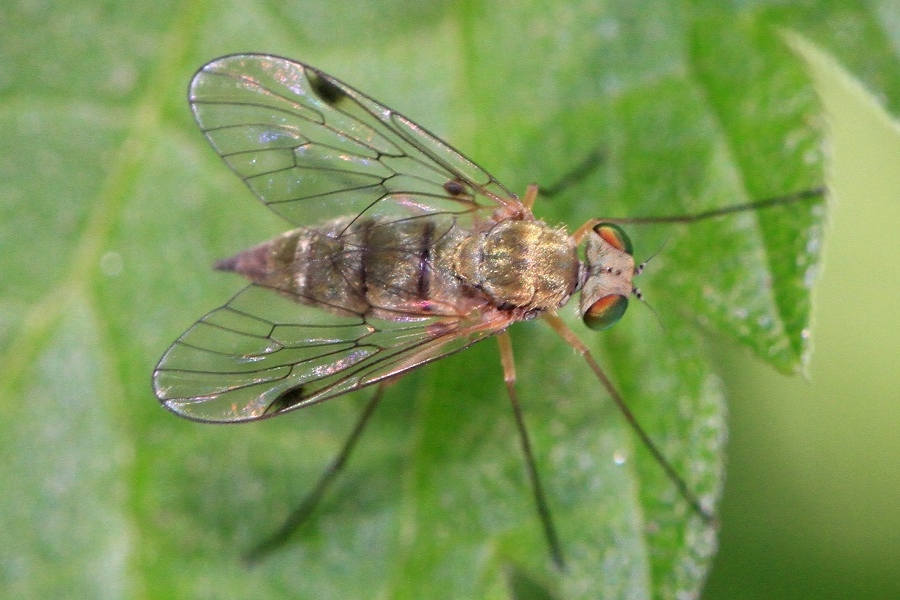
(265, 353)
(313, 149)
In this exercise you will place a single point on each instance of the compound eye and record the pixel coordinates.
(615, 236)
(605, 312)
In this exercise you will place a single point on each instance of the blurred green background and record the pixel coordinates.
(810, 508)
(111, 205)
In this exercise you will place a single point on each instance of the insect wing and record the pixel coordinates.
(264, 353)
(314, 149)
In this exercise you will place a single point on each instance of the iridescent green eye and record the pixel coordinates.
(615, 236)
(605, 312)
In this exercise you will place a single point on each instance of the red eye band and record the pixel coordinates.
(614, 235)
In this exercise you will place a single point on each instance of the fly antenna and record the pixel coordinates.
(640, 268)
(636, 292)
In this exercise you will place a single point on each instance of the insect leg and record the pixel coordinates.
(300, 514)
(581, 231)
(569, 336)
(530, 196)
(576, 175)
(509, 376)
(800, 196)
(707, 214)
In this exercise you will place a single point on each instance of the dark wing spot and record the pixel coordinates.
(286, 401)
(325, 89)
(455, 188)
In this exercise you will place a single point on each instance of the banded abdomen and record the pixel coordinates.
(425, 265)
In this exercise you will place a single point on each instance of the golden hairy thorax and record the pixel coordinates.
(520, 263)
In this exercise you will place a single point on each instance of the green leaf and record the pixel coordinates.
(113, 208)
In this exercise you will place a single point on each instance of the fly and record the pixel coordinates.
(404, 251)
